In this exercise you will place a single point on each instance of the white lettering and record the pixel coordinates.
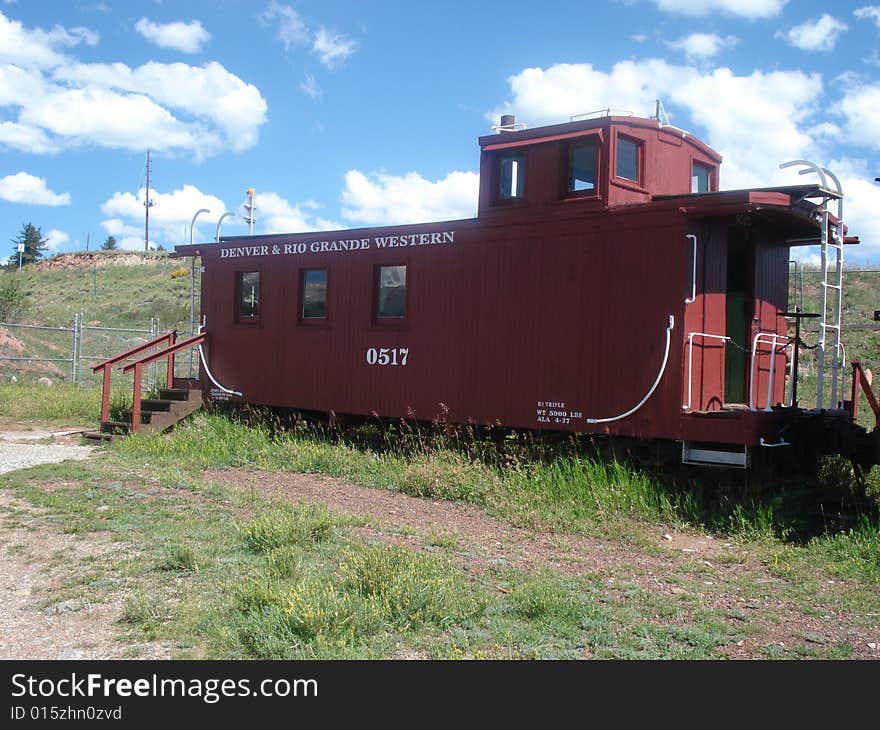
(392, 356)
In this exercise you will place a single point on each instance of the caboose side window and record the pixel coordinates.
(314, 294)
(248, 286)
(582, 167)
(701, 178)
(628, 162)
(391, 292)
(511, 175)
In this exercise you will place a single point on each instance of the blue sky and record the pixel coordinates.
(346, 114)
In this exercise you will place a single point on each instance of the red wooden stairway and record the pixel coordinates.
(149, 415)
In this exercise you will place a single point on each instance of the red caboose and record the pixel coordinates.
(605, 286)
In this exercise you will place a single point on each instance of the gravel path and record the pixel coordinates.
(18, 450)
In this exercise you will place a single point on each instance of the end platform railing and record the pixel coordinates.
(107, 366)
(138, 366)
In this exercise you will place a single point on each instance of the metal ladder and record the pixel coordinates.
(830, 308)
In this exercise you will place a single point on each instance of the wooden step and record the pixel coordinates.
(156, 404)
(116, 427)
(98, 436)
(157, 414)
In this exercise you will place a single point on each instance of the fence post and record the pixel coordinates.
(73, 352)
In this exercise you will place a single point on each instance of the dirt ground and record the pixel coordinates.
(35, 562)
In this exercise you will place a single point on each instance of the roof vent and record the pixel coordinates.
(508, 124)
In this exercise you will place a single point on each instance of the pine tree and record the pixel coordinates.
(34, 245)
(109, 244)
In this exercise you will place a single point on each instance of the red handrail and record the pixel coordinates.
(107, 366)
(138, 366)
(860, 377)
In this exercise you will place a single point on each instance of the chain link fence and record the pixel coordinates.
(29, 353)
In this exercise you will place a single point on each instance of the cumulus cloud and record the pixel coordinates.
(752, 120)
(30, 190)
(751, 9)
(38, 48)
(170, 216)
(703, 45)
(275, 214)
(331, 48)
(861, 210)
(55, 239)
(384, 199)
(815, 35)
(859, 108)
(56, 102)
(755, 121)
(172, 213)
(183, 37)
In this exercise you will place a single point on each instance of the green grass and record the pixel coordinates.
(222, 573)
(57, 404)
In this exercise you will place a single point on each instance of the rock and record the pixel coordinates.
(69, 606)
(70, 654)
(872, 645)
(667, 536)
(45, 381)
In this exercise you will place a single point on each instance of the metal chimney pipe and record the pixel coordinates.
(508, 120)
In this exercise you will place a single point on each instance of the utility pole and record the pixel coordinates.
(88, 239)
(147, 205)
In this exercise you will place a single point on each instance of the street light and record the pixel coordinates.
(193, 224)
(217, 233)
(192, 293)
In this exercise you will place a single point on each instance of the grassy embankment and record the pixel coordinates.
(122, 290)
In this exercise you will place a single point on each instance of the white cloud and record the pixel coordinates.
(310, 87)
(383, 199)
(861, 209)
(869, 12)
(277, 215)
(815, 35)
(754, 120)
(183, 37)
(113, 226)
(57, 102)
(703, 45)
(860, 107)
(751, 9)
(35, 47)
(25, 188)
(55, 239)
(292, 29)
(26, 139)
(332, 49)
(170, 216)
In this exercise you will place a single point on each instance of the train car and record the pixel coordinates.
(606, 286)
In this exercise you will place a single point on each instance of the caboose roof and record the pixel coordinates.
(569, 130)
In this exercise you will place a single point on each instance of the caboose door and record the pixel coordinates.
(738, 313)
